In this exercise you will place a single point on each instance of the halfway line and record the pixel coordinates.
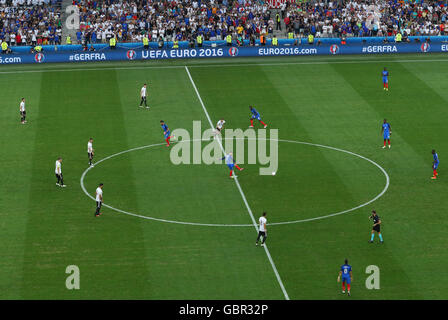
(239, 188)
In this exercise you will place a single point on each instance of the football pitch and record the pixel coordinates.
(186, 231)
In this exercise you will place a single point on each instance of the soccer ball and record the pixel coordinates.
(173, 137)
(273, 173)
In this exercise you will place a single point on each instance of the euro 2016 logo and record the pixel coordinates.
(39, 57)
(130, 54)
(233, 52)
(425, 47)
(334, 49)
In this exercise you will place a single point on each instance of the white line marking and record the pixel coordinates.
(239, 188)
(236, 64)
(241, 225)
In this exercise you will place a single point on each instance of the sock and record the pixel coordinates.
(384, 85)
(381, 236)
(231, 171)
(388, 141)
(434, 172)
(348, 286)
(168, 141)
(343, 286)
(384, 142)
(251, 122)
(387, 85)
(373, 236)
(236, 166)
(263, 123)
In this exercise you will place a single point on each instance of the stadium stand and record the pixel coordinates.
(30, 22)
(129, 21)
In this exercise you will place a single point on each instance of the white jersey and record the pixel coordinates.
(22, 106)
(58, 168)
(262, 221)
(99, 194)
(143, 92)
(89, 147)
(220, 124)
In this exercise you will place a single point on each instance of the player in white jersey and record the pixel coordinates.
(262, 231)
(58, 172)
(22, 111)
(90, 151)
(143, 96)
(220, 126)
(98, 199)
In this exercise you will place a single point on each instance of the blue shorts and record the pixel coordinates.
(386, 136)
(435, 165)
(256, 117)
(230, 166)
(385, 80)
(167, 134)
(346, 279)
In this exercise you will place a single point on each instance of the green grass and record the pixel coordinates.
(335, 101)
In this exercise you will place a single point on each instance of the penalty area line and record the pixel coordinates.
(277, 275)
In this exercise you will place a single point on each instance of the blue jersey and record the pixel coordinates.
(436, 158)
(386, 128)
(229, 161)
(436, 161)
(385, 75)
(166, 131)
(346, 269)
(255, 114)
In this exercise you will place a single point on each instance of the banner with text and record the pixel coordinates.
(225, 52)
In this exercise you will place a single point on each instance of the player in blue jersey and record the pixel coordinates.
(385, 75)
(386, 130)
(347, 277)
(231, 163)
(166, 132)
(255, 115)
(435, 164)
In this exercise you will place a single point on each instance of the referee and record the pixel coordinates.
(262, 231)
(99, 199)
(376, 226)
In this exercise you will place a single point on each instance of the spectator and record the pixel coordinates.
(113, 43)
(161, 42)
(310, 39)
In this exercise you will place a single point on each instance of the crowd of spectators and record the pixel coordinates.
(30, 22)
(130, 21)
(367, 18)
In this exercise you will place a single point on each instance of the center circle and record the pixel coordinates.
(241, 225)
